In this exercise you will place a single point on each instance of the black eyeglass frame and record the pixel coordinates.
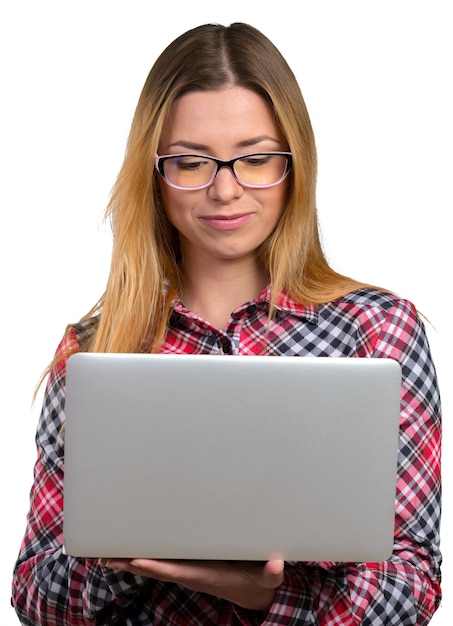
(160, 159)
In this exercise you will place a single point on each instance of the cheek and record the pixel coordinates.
(172, 204)
(277, 203)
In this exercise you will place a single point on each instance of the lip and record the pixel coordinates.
(227, 222)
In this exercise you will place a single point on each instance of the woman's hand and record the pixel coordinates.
(248, 584)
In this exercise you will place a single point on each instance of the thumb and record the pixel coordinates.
(273, 573)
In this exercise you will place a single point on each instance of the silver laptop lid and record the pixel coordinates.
(215, 457)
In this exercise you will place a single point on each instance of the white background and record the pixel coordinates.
(377, 79)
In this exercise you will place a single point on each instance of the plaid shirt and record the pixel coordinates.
(50, 588)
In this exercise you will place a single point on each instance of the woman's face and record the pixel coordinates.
(224, 221)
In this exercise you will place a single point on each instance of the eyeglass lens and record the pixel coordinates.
(195, 171)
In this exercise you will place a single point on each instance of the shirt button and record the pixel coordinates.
(251, 309)
(226, 347)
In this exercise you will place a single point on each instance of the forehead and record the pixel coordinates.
(232, 116)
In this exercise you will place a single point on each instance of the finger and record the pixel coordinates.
(167, 570)
(273, 573)
(169, 567)
(122, 564)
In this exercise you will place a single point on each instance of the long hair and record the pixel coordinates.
(145, 266)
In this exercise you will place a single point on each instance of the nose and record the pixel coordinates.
(225, 187)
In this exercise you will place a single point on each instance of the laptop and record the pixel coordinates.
(230, 457)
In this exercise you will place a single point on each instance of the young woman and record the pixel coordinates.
(216, 250)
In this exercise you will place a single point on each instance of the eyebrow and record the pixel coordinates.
(253, 141)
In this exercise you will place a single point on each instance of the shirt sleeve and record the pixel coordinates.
(405, 589)
(50, 587)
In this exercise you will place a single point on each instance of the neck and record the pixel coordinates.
(215, 290)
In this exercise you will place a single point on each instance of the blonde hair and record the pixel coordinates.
(145, 266)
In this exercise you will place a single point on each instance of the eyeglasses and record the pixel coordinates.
(196, 171)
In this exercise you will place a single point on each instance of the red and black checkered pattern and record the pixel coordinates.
(52, 589)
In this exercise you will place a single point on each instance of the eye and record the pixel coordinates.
(190, 163)
(255, 160)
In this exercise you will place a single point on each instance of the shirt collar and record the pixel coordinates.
(283, 303)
